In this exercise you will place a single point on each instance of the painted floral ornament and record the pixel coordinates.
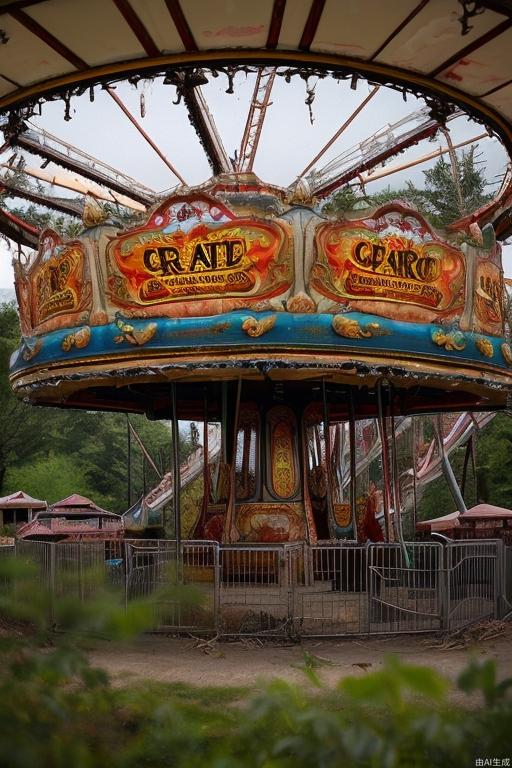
(450, 340)
(484, 346)
(254, 328)
(79, 339)
(352, 329)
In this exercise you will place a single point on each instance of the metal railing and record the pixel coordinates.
(334, 602)
(405, 587)
(335, 589)
(474, 582)
(156, 569)
(255, 588)
(6, 551)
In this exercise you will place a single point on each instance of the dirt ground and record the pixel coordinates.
(249, 663)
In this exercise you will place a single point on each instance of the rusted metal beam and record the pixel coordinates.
(17, 229)
(340, 130)
(357, 169)
(75, 185)
(61, 204)
(143, 133)
(50, 147)
(259, 103)
(188, 88)
(423, 159)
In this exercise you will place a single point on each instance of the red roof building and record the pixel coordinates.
(19, 507)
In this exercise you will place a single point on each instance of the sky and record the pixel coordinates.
(289, 140)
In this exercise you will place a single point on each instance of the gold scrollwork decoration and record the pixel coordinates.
(78, 339)
(136, 336)
(352, 329)
(94, 213)
(254, 327)
(450, 340)
(342, 514)
(301, 303)
(484, 346)
(506, 351)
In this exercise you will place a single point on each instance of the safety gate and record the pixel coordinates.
(405, 587)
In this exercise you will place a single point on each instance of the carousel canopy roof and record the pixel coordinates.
(21, 500)
(455, 49)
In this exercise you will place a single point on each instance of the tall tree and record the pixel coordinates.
(18, 436)
(51, 453)
(452, 189)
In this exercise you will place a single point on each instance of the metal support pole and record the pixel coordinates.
(143, 133)
(176, 477)
(414, 470)
(230, 532)
(327, 444)
(199, 529)
(447, 468)
(224, 422)
(352, 441)
(397, 504)
(53, 584)
(340, 130)
(129, 461)
(385, 462)
(397, 521)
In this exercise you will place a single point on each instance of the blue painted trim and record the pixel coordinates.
(309, 333)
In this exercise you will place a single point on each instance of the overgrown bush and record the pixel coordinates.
(56, 711)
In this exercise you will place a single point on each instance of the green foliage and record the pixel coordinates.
(53, 473)
(190, 505)
(442, 200)
(494, 460)
(482, 677)
(51, 453)
(56, 710)
(67, 226)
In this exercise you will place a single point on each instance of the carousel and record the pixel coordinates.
(306, 342)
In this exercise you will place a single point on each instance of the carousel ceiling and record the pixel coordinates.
(455, 49)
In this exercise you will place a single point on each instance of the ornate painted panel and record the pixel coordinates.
(271, 522)
(57, 283)
(391, 257)
(282, 469)
(489, 292)
(195, 249)
(250, 279)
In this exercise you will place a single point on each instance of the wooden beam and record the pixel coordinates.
(311, 26)
(137, 27)
(493, 90)
(474, 46)
(184, 31)
(396, 31)
(276, 21)
(46, 37)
